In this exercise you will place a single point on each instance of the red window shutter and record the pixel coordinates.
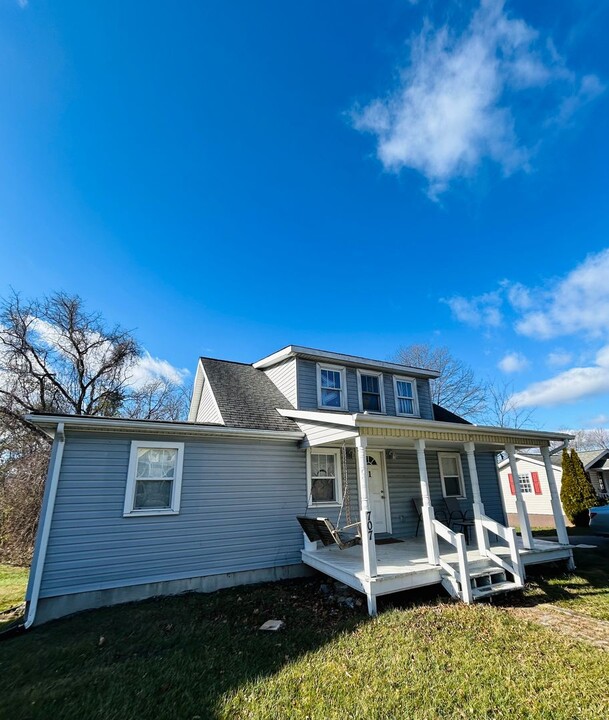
(512, 486)
(536, 483)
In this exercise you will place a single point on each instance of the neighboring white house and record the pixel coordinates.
(534, 483)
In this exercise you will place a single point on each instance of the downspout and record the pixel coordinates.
(53, 480)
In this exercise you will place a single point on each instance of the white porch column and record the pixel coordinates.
(559, 518)
(431, 539)
(478, 505)
(521, 508)
(367, 528)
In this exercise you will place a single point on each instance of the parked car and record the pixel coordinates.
(599, 519)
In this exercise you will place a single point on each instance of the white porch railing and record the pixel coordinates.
(509, 535)
(461, 576)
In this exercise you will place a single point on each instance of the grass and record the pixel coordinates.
(202, 656)
(585, 591)
(12, 586)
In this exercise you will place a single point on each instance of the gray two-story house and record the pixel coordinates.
(392, 492)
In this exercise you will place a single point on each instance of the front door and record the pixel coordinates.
(377, 488)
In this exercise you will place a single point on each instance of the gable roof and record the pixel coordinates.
(246, 397)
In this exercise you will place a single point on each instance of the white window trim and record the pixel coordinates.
(128, 510)
(415, 397)
(456, 455)
(338, 489)
(379, 375)
(343, 388)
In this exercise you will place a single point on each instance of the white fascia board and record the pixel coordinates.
(363, 419)
(325, 418)
(340, 358)
(153, 427)
(596, 459)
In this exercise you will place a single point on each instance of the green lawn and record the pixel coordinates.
(12, 586)
(202, 656)
(586, 590)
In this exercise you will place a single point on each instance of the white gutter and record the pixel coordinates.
(83, 422)
(60, 438)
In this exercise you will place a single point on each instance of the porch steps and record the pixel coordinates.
(485, 580)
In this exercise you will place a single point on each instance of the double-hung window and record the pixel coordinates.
(154, 479)
(451, 473)
(324, 477)
(371, 395)
(405, 396)
(331, 390)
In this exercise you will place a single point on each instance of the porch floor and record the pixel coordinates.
(403, 565)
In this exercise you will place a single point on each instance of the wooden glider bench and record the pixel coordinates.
(323, 529)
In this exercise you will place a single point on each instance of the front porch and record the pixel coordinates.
(405, 565)
(401, 463)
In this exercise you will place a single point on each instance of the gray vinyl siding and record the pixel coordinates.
(208, 409)
(283, 375)
(404, 484)
(238, 508)
(425, 402)
(307, 390)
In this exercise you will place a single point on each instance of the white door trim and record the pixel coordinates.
(380, 456)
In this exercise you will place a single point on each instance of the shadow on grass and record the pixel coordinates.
(167, 657)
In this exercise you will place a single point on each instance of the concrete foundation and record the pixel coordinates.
(52, 608)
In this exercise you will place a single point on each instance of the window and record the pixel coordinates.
(331, 387)
(525, 483)
(324, 477)
(405, 396)
(371, 394)
(451, 474)
(155, 478)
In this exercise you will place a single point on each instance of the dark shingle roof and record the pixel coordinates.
(246, 397)
(443, 415)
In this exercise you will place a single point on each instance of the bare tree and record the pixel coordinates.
(57, 357)
(502, 411)
(157, 399)
(456, 389)
(593, 439)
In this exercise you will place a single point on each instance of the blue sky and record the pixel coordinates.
(226, 178)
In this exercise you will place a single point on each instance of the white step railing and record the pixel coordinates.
(461, 576)
(514, 567)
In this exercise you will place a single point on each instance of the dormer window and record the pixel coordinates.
(331, 393)
(405, 396)
(371, 395)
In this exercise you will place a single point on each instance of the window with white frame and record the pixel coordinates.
(405, 396)
(525, 483)
(331, 391)
(451, 473)
(371, 395)
(154, 479)
(324, 477)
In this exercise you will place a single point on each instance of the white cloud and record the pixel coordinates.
(149, 368)
(518, 295)
(598, 421)
(513, 362)
(454, 105)
(559, 358)
(22, 3)
(568, 386)
(577, 304)
(479, 311)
